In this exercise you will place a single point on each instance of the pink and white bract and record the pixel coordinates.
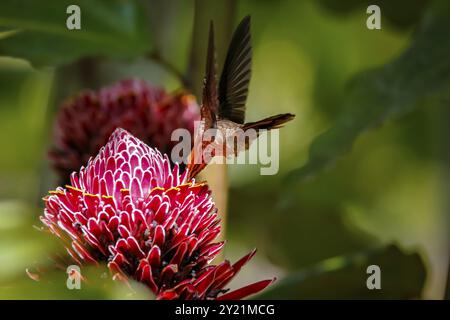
(130, 209)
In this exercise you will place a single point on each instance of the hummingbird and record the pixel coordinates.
(223, 105)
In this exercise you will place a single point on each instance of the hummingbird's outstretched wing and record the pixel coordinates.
(235, 78)
(209, 108)
(210, 102)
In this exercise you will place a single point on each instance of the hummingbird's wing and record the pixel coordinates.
(208, 110)
(210, 100)
(235, 78)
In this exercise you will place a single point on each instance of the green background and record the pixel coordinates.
(363, 168)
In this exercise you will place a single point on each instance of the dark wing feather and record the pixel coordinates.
(210, 106)
(235, 78)
(210, 100)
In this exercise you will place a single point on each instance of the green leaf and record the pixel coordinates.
(419, 76)
(116, 28)
(21, 245)
(52, 284)
(286, 236)
(402, 277)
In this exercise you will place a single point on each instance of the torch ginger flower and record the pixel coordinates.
(86, 121)
(129, 208)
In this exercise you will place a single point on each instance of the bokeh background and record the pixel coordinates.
(363, 168)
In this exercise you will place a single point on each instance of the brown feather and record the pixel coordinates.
(235, 78)
(210, 102)
(269, 123)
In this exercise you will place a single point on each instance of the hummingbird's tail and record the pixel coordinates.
(269, 123)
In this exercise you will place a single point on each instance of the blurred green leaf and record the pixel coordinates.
(98, 284)
(402, 277)
(24, 96)
(21, 245)
(117, 28)
(419, 76)
(311, 230)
